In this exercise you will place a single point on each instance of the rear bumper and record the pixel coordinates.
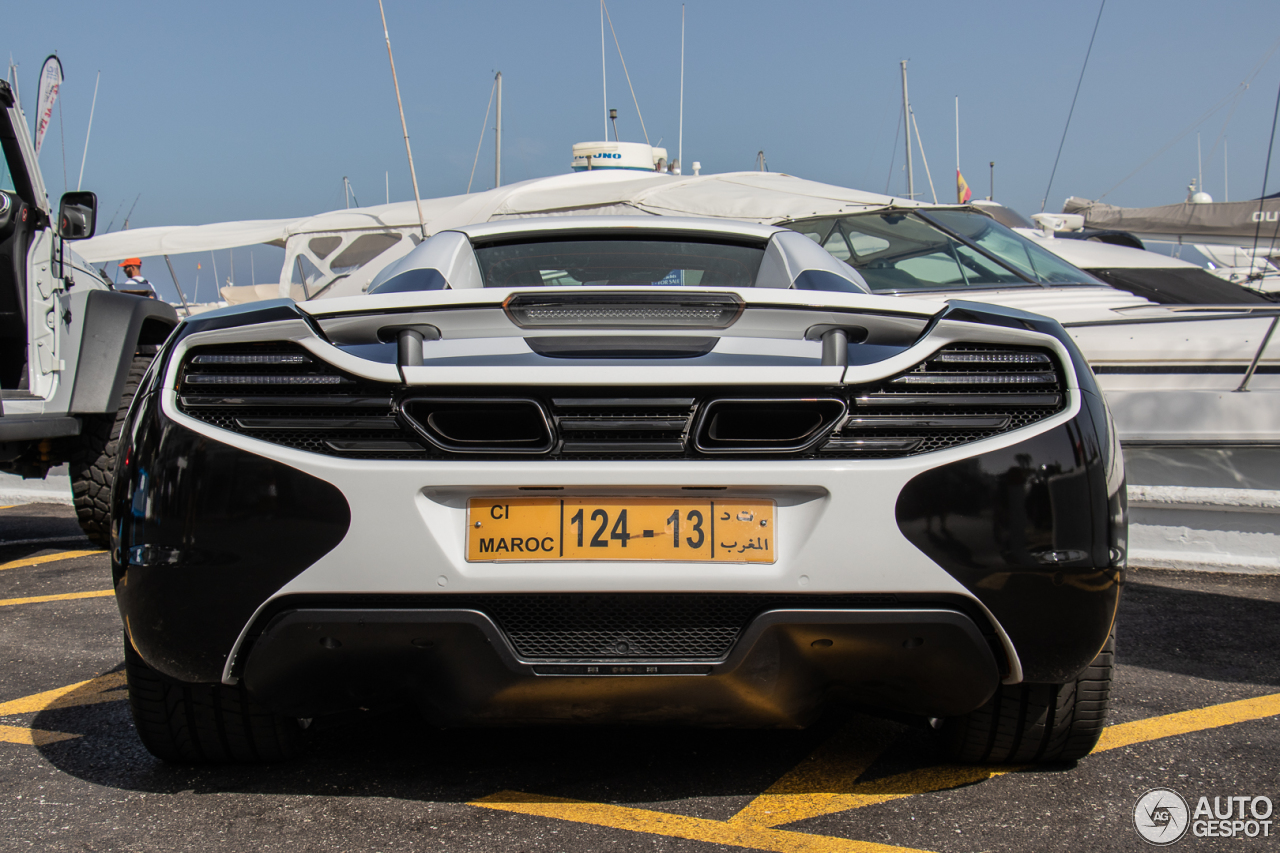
(210, 538)
(460, 667)
(217, 532)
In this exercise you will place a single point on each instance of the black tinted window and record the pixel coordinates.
(630, 263)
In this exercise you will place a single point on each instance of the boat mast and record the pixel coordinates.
(924, 159)
(92, 107)
(627, 74)
(1199, 165)
(680, 142)
(497, 148)
(604, 79)
(422, 223)
(906, 117)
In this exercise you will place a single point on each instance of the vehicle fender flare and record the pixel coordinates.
(115, 326)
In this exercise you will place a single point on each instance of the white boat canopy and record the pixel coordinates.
(180, 239)
(323, 252)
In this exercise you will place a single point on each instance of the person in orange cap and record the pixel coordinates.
(136, 284)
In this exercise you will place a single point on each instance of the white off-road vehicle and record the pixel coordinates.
(71, 348)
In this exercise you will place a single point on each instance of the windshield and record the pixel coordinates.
(614, 261)
(899, 251)
(1004, 215)
(1038, 263)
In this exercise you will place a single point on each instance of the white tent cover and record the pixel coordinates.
(764, 197)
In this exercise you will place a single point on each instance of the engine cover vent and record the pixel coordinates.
(962, 393)
(279, 392)
(282, 393)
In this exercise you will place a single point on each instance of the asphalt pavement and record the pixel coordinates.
(1195, 709)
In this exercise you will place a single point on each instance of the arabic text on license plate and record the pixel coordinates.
(678, 530)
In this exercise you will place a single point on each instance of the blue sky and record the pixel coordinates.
(235, 110)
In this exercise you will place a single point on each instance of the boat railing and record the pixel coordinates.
(1196, 313)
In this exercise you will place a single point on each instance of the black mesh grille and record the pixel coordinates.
(690, 626)
(962, 393)
(655, 428)
(279, 392)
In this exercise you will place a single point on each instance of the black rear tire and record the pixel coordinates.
(204, 723)
(92, 460)
(1033, 723)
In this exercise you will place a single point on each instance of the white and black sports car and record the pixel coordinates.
(613, 469)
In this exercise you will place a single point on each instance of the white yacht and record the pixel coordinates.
(1183, 357)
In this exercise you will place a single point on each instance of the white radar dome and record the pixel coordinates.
(635, 156)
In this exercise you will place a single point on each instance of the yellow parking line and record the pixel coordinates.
(823, 783)
(104, 688)
(776, 810)
(679, 826)
(31, 737)
(36, 599)
(89, 692)
(47, 558)
(796, 797)
(827, 783)
(1184, 722)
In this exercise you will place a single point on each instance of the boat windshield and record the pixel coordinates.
(1003, 215)
(929, 249)
(613, 261)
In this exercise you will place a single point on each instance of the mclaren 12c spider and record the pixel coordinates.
(620, 470)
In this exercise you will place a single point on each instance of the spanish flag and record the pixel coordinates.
(963, 193)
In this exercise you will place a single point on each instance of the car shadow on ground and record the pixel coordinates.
(394, 753)
(391, 754)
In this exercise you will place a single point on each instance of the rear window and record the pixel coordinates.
(623, 262)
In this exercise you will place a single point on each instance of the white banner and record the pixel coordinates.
(50, 83)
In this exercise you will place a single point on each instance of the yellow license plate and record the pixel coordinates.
(675, 530)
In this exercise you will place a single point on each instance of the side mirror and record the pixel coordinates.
(77, 215)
